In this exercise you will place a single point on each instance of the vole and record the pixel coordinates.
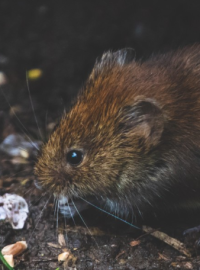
(132, 138)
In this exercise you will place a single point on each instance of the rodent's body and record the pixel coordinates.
(138, 128)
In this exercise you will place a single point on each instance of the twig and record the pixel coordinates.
(168, 240)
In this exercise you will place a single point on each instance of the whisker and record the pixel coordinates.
(55, 206)
(71, 214)
(81, 217)
(57, 210)
(46, 117)
(24, 129)
(65, 226)
(21, 171)
(85, 224)
(89, 232)
(40, 216)
(41, 197)
(30, 191)
(110, 214)
(29, 92)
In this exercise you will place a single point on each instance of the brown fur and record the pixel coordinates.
(138, 125)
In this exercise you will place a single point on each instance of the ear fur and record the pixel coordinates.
(145, 119)
(121, 58)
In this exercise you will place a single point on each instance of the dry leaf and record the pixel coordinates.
(61, 240)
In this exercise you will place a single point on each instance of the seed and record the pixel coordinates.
(9, 259)
(63, 256)
(14, 249)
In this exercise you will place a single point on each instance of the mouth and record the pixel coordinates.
(69, 207)
(37, 185)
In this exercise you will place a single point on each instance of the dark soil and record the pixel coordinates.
(63, 39)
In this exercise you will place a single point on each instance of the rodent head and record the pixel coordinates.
(99, 147)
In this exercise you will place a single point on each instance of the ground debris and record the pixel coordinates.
(176, 244)
(134, 243)
(14, 209)
(163, 257)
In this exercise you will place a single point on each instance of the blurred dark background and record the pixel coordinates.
(63, 39)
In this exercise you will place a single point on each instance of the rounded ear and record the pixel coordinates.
(111, 59)
(144, 118)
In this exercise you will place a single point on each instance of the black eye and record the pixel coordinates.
(74, 157)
